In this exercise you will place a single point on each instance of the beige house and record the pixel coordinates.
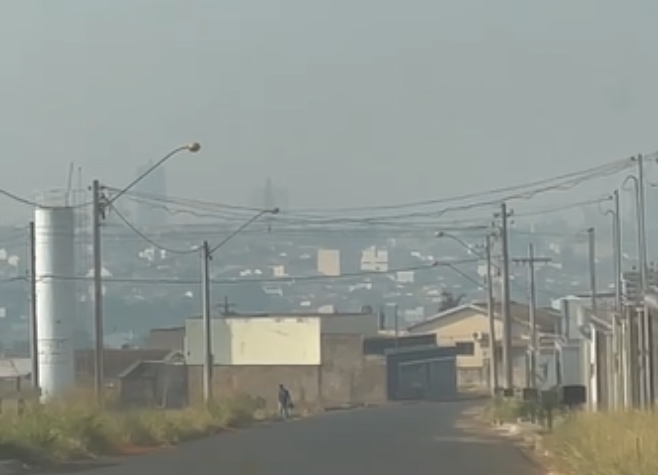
(467, 328)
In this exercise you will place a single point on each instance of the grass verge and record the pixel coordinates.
(53, 433)
(619, 443)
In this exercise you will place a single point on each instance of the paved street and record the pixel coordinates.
(404, 439)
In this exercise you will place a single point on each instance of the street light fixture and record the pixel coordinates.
(645, 344)
(100, 205)
(206, 256)
(493, 361)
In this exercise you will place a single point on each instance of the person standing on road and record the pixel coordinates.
(285, 402)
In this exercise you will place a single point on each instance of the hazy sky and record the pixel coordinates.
(345, 102)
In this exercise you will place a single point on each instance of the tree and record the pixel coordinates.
(448, 300)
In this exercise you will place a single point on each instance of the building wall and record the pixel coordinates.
(342, 358)
(344, 378)
(362, 324)
(458, 330)
(256, 341)
(166, 338)
(329, 262)
(473, 369)
(374, 260)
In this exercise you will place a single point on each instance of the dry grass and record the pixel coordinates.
(61, 432)
(501, 410)
(621, 443)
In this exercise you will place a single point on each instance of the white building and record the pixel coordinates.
(374, 260)
(329, 262)
(285, 339)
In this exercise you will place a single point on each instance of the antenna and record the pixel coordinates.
(69, 181)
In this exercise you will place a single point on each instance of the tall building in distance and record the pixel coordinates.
(155, 183)
(269, 196)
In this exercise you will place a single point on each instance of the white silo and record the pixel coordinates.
(56, 298)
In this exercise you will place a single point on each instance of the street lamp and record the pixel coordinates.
(100, 205)
(645, 342)
(490, 301)
(206, 256)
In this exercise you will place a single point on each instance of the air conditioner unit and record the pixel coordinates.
(480, 336)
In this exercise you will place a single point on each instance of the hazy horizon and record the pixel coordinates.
(340, 103)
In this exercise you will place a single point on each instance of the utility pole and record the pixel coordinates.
(34, 333)
(208, 362)
(619, 357)
(508, 361)
(604, 392)
(397, 324)
(617, 249)
(591, 239)
(98, 213)
(647, 330)
(530, 261)
(493, 357)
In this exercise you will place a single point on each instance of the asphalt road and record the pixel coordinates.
(425, 438)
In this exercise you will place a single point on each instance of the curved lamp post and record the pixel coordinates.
(100, 204)
(206, 256)
(493, 360)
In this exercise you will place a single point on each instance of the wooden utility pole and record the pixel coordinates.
(530, 261)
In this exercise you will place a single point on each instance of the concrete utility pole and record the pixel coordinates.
(493, 358)
(591, 240)
(617, 249)
(530, 261)
(208, 360)
(508, 360)
(34, 334)
(98, 213)
(619, 357)
(206, 257)
(647, 330)
(644, 343)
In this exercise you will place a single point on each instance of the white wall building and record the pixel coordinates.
(374, 260)
(329, 262)
(272, 339)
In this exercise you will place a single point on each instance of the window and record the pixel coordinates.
(465, 348)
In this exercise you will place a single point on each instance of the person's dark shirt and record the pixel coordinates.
(284, 396)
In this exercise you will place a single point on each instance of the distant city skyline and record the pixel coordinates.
(345, 104)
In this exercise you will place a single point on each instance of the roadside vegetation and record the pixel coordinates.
(589, 443)
(599, 443)
(50, 433)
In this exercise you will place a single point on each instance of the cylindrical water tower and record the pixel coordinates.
(56, 298)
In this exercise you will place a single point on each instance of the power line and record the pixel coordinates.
(524, 191)
(134, 229)
(282, 279)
